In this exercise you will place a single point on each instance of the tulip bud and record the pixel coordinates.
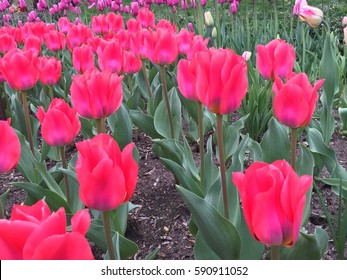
(246, 55)
(214, 33)
(312, 15)
(208, 19)
(344, 21)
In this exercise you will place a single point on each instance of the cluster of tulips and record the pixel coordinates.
(273, 195)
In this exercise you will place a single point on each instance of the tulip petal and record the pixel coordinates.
(80, 222)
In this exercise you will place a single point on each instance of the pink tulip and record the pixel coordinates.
(60, 124)
(273, 200)
(7, 43)
(96, 94)
(9, 147)
(312, 15)
(277, 58)
(82, 58)
(50, 70)
(111, 57)
(106, 175)
(295, 101)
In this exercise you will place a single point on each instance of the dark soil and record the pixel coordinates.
(161, 219)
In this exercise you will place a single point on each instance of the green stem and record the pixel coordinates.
(108, 235)
(100, 125)
(2, 210)
(291, 19)
(247, 28)
(275, 252)
(167, 100)
(201, 146)
(130, 84)
(51, 95)
(219, 38)
(27, 120)
(144, 70)
(293, 141)
(303, 47)
(219, 121)
(276, 17)
(66, 180)
(199, 17)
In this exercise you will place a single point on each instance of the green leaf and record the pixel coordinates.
(87, 128)
(211, 170)
(152, 255)
(219, 233)
(304, 166)
(161, 117)
(275, 144)
(48, 179)
(307, 247)
(54, 200)
(3, 202)
(145, 123)
(121, 126)
(202, 251)
(125, 248)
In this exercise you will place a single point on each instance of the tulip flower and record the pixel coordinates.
(60, 124)
(277, 58)
(295, 101)
(312, 15)
(7, 43)
(55, 41)
(43, 234)
(164, 49)
(9, 147)
(111, 57)
(96, 94)
(20, 69)
(115, 22)
(208, 19)
(106, 175)
(77, 35)
(64, 24)
(50, 70)
(99, 24)
(344, 21)
(82, 58)
(132, 64)
(146, 18)
(273, 200)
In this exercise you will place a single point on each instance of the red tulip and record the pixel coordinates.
(146, 18)
(115, 22)
(133, 25)
(273, 200)
(55, 41)
(99, 24)
(132, 64)
(20, 69)
(107, 176)
(33, 43)
(217, 78)
(9, 147)
(60, 125)
(64, 24)
(111, 57)
(140, 43)
(7, 43)
(50, 70)
(184, 40)
(96, 94)
(82, 58)
(277, 58)
(164, 48)
(295, 101)
(78, 35)
(43, 234)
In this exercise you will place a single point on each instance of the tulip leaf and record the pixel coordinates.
(336, 184)
(86, 128)
(154, 102)
(211, 170)
(275, 144)
(304, 166)
(54, 200)
(152, 255)
(3, 202)
(219, 233)
(145, 123)
(121, 126)
(161, 117)
(141, 82)
(202, 251)
(307, 247)
(325, 153)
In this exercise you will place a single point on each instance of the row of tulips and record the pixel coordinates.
(215, 80)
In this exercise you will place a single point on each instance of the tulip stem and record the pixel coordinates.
(2, 210)
(66, 180)
(130, 84)
(51, 95)
(219, 38)
(275, 252)
(219, 121)
(199, 17)
(144, 70)
(201, 146)
(167, 100)
(27, 120)
(303, 47)
(108, 234)
(293, 141)
(100, 125)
